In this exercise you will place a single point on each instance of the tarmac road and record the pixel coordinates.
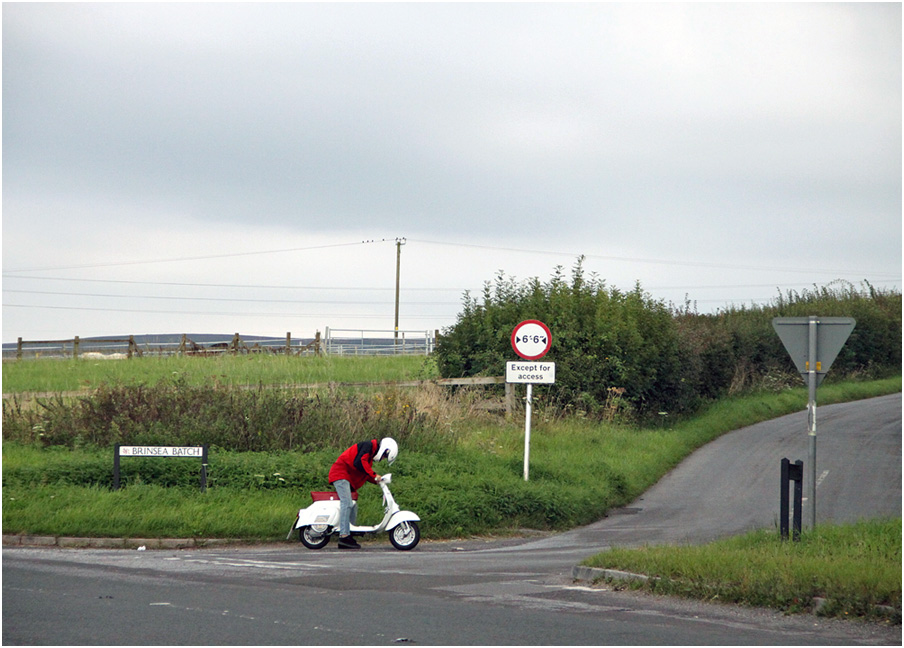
(476, 592)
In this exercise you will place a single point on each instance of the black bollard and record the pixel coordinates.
(791, 472)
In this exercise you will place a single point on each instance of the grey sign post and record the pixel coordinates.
(813, 343)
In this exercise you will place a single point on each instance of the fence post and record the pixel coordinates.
(19, 349)
(204, 467)
(131, 346)
(235, 344)
(116, 467)
(288, 342)
(75, 348)
(318, 350)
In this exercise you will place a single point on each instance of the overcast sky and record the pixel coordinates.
(221, 168)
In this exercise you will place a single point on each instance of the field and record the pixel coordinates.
(67, 375)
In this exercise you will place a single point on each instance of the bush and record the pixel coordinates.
(602, 338)
(654, 358)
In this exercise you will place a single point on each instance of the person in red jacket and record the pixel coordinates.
(351, 470)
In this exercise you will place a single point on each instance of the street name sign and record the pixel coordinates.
(161, 451)
(124, 451)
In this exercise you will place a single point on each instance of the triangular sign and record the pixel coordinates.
(831, 334)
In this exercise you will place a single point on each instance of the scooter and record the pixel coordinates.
(320, 520)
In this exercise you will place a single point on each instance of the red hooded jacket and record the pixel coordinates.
(356, 465)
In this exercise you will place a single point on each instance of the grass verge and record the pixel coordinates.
(854, 567)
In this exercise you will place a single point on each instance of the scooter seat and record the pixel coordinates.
(319, 496)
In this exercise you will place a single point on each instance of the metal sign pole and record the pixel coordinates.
(812, 366)
(527, 430)
(813, 343)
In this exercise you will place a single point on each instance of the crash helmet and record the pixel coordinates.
(388, 450)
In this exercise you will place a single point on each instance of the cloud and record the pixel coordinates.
(755, 134)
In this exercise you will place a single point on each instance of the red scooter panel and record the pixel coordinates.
(319, 496)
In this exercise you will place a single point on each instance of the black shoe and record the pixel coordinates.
(348, 542)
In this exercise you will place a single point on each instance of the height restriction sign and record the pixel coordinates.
(531, 339)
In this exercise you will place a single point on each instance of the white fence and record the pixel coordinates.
(378, 342)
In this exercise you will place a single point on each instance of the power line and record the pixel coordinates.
(192, 258)
(368, 288)
(695, 264)
(226, 299)
(232, 314)
(219, 285)
(668, 262)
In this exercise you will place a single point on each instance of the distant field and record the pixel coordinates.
(48, 375)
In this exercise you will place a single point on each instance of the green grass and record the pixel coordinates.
(472, 484)
(47, 375)
(855, 567)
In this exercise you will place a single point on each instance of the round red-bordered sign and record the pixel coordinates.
(531, 339)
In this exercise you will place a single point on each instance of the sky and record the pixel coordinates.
(267, 168)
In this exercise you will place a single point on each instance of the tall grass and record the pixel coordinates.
(176, 413)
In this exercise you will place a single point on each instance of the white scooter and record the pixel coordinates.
(320, 520)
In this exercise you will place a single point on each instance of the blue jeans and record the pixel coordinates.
(348, 512)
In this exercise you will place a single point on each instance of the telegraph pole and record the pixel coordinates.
(398, 265)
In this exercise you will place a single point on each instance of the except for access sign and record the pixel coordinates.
(543, 373)
(531, 339)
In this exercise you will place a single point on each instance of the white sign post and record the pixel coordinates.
(531, 340)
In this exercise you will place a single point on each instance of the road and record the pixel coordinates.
(475, 592)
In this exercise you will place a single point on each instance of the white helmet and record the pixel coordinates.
(388, 450)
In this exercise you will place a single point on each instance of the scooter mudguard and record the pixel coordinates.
(401, 516)
(318, 513)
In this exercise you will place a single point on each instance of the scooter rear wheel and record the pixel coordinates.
(405, 536)
(311, 539)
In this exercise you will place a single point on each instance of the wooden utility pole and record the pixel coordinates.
(398, 265)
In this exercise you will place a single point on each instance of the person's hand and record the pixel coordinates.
(379, 478)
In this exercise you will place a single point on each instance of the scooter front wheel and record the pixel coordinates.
(405, 536)
(311, 539)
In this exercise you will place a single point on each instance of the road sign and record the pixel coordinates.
(813, 343)
(543, 373)
(831, 334)
(120, 450)
(531, 339)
